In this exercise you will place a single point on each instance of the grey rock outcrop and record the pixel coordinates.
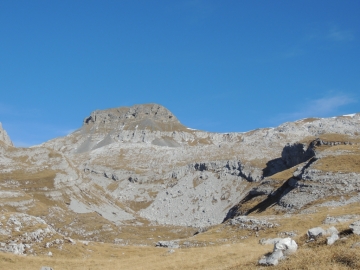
(282, 248)
(340, 219)
(126, 115)
(294, 154)
(316, 232)
(26, 235)
(4, 137)
(168, 244)
(332, 239)
(355, 227)
(13, 247)
(309, 184)
(256, 224)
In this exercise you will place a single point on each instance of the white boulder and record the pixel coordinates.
(272, 259)
(282, 248)
(332, 230)
(316, 232)
(355, 227)
(286, 245)
(332, 239)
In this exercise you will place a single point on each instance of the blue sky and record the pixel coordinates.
(219, 66)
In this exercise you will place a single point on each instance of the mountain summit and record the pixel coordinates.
(146, 123)
(152, 117)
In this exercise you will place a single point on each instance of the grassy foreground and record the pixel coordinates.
(108, 256)
(229, 256)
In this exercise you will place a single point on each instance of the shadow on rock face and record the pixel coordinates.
(292, 155)
(272, 199)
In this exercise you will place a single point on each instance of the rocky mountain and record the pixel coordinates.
(175, 175)
(131, 170)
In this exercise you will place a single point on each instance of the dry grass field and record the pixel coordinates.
(227, 247)
(109, 256)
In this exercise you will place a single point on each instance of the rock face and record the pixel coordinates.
(4, 136)
(129, 117)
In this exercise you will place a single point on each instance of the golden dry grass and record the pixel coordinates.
(339, 163)
(225, 249)
(318, 255)
(309, 120)
(109, 256)
(284, 175)
(333, 137)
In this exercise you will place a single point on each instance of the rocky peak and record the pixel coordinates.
(4, 137)
(144, 116)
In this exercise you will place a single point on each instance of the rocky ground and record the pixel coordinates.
(134, 176)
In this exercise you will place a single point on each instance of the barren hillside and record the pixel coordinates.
(133, 176)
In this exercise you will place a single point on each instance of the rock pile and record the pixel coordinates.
(255, 224)
(30, 231)
(332, 233)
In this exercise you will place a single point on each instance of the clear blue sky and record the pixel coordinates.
(217, 65)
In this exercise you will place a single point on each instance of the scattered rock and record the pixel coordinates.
(15, 248)
(282, 248)
(339, 219)
(168, 244)
(315, 232)
(288, 234)
(69, 240)
(118, 241)
(255, 224)
(355, 227)
(270, 241)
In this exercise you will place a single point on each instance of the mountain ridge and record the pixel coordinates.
(130, 172)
